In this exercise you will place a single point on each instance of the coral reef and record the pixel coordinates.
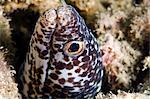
(36, 5)
(8, 88)
(123, 36)
(5, 33)
(122, 28)
(146, 62)
(122, 95)
(5, 36)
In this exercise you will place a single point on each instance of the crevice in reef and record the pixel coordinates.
(22, 26)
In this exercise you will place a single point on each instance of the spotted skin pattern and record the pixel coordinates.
(49, 70)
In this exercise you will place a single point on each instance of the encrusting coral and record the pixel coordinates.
(146, 62)
(5, 33)
(122, 95)
(5, 36)
(119, 57)
(37, 5)
(8, 88)
(122, 35)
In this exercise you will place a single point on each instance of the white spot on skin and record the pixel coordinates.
(92, 42)
(51, 17)
(99, 84)
(44, 64)
(25, 89)
(64, 15)
(91, 84)
(95, 63)
(64, 74)
(80, 58)
(49, 72)
(68, 84)
(96, 47)
(102, 73)
(81, 63)
(59, 56)
(97, 71)
(77, 79)
(41, 47)
(76, 89)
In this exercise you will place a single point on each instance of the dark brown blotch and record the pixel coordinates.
(69, 66)
(78, 70)
(39, 35)
(46, 89)
(68, 87)
(85, 65)
(42, 25)
(84, 74)
(42, 57)
(37, 49)
(66, 58)
(40, 41)
(47, 47)
(61, 80)
(36, 40)
(85, 58)
(57, 45)
(70, 74)
(84, 53)
(71, 79)
(59, 65)
(39, 71)
(31, 55)
(58, 72)
(91, 75)
(44, 52)
(62, 30)
(76, 62)
(57, 86)
(77, 84)
(54, 76)
(45, 43)
(41, 54)
(51, 68)
(48, 81)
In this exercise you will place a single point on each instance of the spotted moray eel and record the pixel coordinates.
(63, 59)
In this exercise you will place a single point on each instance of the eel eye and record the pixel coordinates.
(74, 48)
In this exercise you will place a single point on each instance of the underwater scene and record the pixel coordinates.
(74, 49)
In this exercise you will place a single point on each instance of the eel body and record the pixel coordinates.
(63, 59)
